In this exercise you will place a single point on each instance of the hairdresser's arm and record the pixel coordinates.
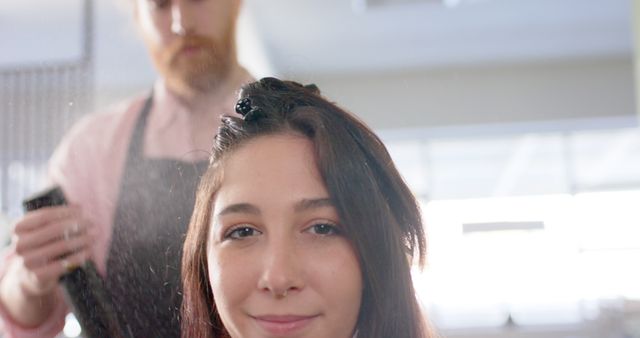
(22, 308)
(45, 243)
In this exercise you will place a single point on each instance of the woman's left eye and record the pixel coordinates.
(324, 229)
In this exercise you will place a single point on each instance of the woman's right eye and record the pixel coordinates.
(241, 233)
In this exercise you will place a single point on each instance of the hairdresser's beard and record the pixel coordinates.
(196, 64)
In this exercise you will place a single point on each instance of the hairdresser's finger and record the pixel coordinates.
(57, 231)
(53, 270)
(53, 251)
(34, 220)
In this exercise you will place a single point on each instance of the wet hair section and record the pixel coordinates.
(266, 107)
(380, 215)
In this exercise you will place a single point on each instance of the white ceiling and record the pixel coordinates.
(327, 36)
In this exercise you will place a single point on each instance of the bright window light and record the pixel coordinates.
(580, 252)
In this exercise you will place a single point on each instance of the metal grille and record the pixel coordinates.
(38, 103)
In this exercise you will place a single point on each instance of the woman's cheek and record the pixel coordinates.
(229, 270)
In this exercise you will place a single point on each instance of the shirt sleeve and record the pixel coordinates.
(50, 328)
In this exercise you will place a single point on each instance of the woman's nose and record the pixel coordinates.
(282, 271)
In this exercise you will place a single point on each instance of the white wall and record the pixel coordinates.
(553, 90)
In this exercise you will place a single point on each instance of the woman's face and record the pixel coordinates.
(278, 263)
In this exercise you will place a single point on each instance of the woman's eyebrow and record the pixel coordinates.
(313, 203)
(240, 208)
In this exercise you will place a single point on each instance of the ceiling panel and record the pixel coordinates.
(330, 37)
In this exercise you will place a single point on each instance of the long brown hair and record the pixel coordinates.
(380, 215)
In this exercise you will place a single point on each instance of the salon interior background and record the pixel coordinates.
(514, 121)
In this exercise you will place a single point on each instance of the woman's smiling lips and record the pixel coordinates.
(279, 325)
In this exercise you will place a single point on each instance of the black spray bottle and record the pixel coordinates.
(83, 287)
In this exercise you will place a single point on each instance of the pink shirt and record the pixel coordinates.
(89, 162)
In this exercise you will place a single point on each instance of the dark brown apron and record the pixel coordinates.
(143, 266)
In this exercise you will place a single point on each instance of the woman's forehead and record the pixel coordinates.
(269, 167)
(280, 153)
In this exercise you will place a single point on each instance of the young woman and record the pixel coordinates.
(302, 227)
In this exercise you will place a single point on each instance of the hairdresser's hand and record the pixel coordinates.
(49, 242)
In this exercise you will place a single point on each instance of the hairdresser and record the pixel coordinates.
(130, 175)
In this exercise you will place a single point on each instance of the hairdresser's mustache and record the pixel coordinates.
(190, 41)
